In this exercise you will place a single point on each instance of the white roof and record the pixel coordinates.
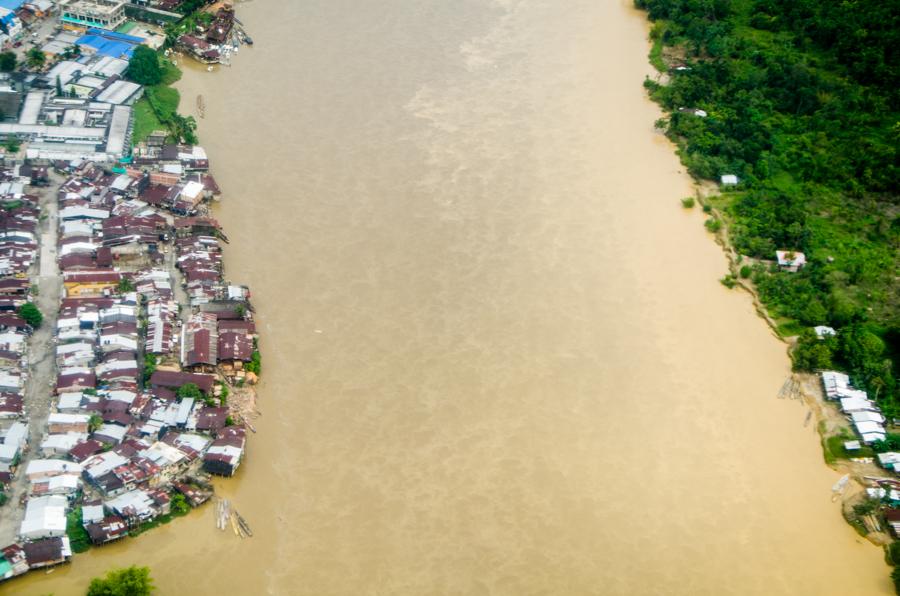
(51, 467)
(77, 212)
(116, 365)
(102, 463)
(790, 258)
(889, 459)
(74, 348)
(869, 438)
(868, 427)
(192, 190)
(44, 517)
(8, 453)
(62, 133)
(107, 65)
(91, 82)
(17, 434)
(31, 109)
(65, 70)
(62, 443)
(118, 127)
(66, 483)
(184, 410)
(857, 404)
(162, 454)
(58, 418)
(134, 502)
(113, 431)
(122, 395)
(867, 416)
(91, 514)
(730, 179)
(227, 450)
(119, 92)
(77, 228)
(823, 331)
(194, 441)
(69, 401)
(73, 117)
(117, 310)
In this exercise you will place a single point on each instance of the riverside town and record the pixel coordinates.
(127, 358)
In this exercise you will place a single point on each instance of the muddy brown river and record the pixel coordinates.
(497, 358)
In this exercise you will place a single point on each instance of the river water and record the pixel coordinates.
(497, 358)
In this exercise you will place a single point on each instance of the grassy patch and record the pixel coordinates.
(145, 120)
(834, 449)
(78, 536)
(170, 72)
(656, 56)
(788, 327)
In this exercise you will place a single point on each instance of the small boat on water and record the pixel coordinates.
(245, 527)
(234, 525)
(201, 106)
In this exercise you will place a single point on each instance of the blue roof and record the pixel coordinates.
(12, 4)
(115, 36)
(107, 44)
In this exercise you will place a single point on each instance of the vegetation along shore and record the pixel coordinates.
(791, 113)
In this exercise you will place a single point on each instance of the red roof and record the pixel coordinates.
(174, 380)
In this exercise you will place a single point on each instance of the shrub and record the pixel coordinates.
(189, 390)
(131, 581)
(713, 225)
(688, 202)
(893, 553)
(746, 271)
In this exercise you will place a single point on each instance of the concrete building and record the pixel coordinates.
(85, 14)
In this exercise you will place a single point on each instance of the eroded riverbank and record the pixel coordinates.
(527, 378)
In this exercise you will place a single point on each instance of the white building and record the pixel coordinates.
(83, 14)
(45, 517)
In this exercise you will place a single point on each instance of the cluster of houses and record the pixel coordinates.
(149, 336)
(215, 43)
(864, 414)
(19, 217)
(868, 422)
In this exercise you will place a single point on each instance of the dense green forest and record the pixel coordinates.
(803, 105)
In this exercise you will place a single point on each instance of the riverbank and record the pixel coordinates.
(142, 373)
(476, 290)
(842, 322)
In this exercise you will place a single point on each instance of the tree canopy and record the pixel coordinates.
(802, 103)
(130, 581)
(189, 390)
(35, 58)
(31, 314)
(144, 68)
(7, 61)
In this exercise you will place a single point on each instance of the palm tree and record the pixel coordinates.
(35, 58)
